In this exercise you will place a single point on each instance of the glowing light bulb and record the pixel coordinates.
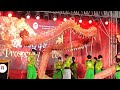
(28, 16)
(38, 17)
(106, 23)
(80, 21)
(90, 21)
(10, 15)
(64, 19)
(54, 19)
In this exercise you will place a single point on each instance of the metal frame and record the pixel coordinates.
(113, 14)
(112, 43)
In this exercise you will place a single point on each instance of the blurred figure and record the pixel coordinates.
(58, 74)
(89, 68)
(95, 58)
(98, 64)
(117, 74)
(31, 66)
(67, 70)
(73, 68)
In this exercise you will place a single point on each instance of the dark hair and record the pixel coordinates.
(89, 56)
(66, 55)
(59, 58)
(73, 58)
(95, 58)
(33, 50)
(117, 60)
(100, 56)
(117, 56)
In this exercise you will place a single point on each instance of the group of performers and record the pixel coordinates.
(93, 66)
(67, 69)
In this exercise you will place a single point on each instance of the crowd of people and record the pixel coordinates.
(67, 69)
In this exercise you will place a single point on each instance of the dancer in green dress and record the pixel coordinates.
(31, 67)
(98, 64)
(117, 74)
(67, 70)
(74, 68)
(89, 68)
(58, 66)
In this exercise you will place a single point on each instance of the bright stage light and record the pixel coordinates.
(90, 21)
(28, 16)
(9, 14)
(64, 19)
(80, 21)
(54, 19)
(106, 23)
(37, 17)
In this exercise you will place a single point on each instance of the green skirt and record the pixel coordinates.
(74, 76)
(117, 75)
(58, 74)
(89, 74)
(97, 71)
(31, 72)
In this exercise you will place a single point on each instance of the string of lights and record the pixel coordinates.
(55, 15)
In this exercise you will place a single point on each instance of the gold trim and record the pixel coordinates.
(3, 61)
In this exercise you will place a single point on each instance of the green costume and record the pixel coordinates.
(67, 71)
(31, 70)
(117, 74)
(89, 69)
(58, 66)
(73, 69)
(68, 62)
(98, 66)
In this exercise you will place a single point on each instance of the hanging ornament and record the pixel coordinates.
(59, 40)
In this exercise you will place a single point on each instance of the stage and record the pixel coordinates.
(53, 35)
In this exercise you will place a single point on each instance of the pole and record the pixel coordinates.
(71, 43)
